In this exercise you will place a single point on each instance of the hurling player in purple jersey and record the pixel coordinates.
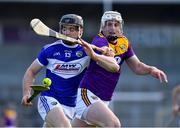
(97, 86)
(65, 64)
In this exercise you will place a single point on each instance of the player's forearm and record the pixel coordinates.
(108, 63)
(143, 69)
(28, 80)
(139, 67)
(29, 76)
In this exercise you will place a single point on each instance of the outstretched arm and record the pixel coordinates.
(141, 68)
(28, 80)
(175, 105)
(106, 62)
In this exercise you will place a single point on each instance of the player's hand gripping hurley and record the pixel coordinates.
(39, 88)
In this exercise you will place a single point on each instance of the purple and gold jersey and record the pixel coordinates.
(98, 80)
(65, 66)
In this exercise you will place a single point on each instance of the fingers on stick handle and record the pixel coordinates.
(32, 97)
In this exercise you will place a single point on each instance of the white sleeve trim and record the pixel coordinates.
(40, 62)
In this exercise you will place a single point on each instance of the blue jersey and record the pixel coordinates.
(65, 66)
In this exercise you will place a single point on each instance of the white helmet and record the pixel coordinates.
(111, 15)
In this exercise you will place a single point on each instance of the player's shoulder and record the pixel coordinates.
(123, 39)
(56, 43)
(100, 35)
(99, 38)
(123, 43)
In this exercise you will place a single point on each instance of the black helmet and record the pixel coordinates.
(71, 19)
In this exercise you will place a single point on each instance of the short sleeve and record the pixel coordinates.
(130, 52)
(42, 58)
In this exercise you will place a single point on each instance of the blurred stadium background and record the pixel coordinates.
(152, 26)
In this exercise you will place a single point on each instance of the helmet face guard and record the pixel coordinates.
(111, 15)
(71, 19)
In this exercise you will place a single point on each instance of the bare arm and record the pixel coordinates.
(28, 80)
(141, 68)
(175, 94)
(106, 61)
(103, 51)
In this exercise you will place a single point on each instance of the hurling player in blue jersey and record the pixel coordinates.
(98, 85)
(65, 64)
